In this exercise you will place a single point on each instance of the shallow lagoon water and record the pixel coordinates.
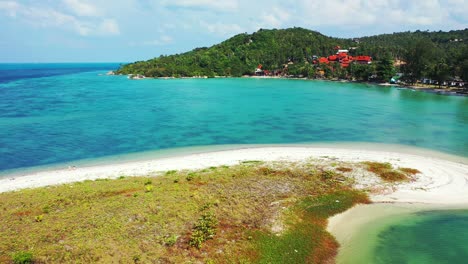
(403, 233)
(76, 114)
(425, 238)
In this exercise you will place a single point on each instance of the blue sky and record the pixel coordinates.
(130, 30)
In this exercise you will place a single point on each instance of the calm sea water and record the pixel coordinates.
(53, 113)
(439, 237)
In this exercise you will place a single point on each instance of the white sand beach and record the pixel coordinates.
(441, 181)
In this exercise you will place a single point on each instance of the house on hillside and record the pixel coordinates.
(324, 60)
(259, 71)
(363, 59)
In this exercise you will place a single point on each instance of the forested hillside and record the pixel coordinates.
(240, 55)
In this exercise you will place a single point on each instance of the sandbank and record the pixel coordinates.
(442, 183)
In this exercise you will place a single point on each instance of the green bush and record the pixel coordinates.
(327, 175)
(203, 230)
(149, 188)
(170, 240)
(148, 182)
(23, 257)
(39, 218)
(190, 176)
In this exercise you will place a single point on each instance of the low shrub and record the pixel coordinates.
(170, 240)
(46, 209)
(378, 167)
(204, 229)
(344, 169)
(39, 218)
(264, 170)
(171, 172)
(327, 175)
(23, 257)
(392, 176)
(386, 172)
(148, 182)
(149, 188)
(409, 171)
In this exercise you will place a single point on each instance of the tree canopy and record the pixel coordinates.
(241, 54)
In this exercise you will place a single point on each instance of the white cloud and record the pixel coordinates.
(161, 41)
(109, 27)
(81, 8)
(225, 5)
(10, 7)
(340, 13)
(457, 6)
(275, 18)
(46, 17)
(378, 14)
(221, 29)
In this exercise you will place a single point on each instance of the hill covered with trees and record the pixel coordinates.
(426, 54)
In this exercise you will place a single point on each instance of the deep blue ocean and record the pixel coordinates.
(54, 113)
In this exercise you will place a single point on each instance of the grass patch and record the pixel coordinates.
(22, 257)
(387, 173)
(203, 230)
(220, 215)
(393, 176)
(378, 167)
(252, 162)
(307, 240)
(344, 169)
(409, 171)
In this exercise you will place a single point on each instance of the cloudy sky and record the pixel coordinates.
(129, 30)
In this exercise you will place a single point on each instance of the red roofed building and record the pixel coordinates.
(323, 60)
(363, 59)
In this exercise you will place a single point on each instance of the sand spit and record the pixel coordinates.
(441, 181)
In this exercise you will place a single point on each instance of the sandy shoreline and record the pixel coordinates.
(441, 181)
(439, 91)
(443, 185)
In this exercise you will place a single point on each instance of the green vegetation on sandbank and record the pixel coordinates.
(253, 212)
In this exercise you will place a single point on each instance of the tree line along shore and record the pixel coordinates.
(421, 57)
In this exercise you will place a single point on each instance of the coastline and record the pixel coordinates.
(442, 180)
(441, 91)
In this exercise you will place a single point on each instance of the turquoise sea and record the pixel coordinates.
(56, 113)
